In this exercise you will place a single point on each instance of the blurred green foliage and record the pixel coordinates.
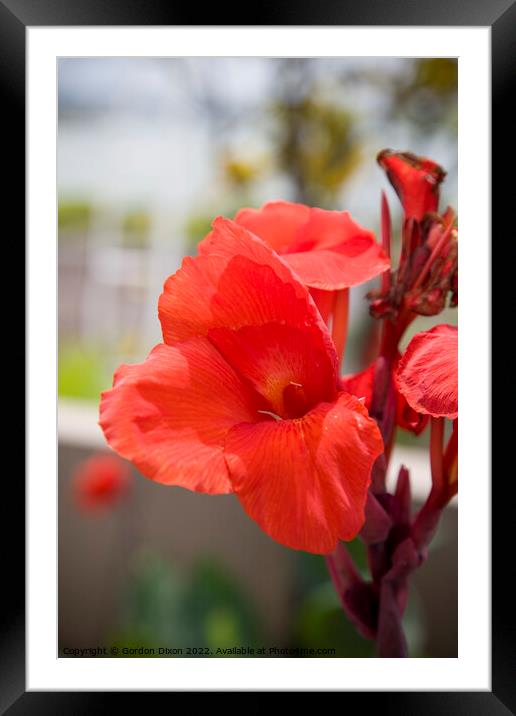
(135, 229)
(196, 228)
(318, 619)
(241, 172)
(427, 97)
(82, 371)
(437, 73)
(320, 623)
(74, 215)
(206, 608)
(202, 608)
(74, 218)
(316, 146)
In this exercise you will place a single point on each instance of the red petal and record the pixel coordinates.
(331, 229)
(276, 223)
(333, 252)
(428, 372)
(305, 481)
(407, 418)
(327, 249)
(236, 281)
(360, 384)
(415, 179)
(288, 366)
(170, 414)
(324, 300)
(333, 270)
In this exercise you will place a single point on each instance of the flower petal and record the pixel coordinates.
(288, 366)
(407, 418)
(360, 384)
(325, 301)
(170, 414)
(329, 230)
(305, 481)
(332, 252)
(276, 223)
(415, 179)
(334, 270)
(326, 249)
(236, 281)
(428, 372)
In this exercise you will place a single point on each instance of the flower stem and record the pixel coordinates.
(427, 519)
(391, 641)
(450, 462)
(340, 322)
(386, 241)
(436, 452)
(357, 597)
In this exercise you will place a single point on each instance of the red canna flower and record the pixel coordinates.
(415, 179)
(328, 250)
(428, 372)
(243, 397)
(428, 377)
(100, 481)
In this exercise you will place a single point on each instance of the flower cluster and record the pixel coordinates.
(427, 270)
(245, 394)
(406, 391)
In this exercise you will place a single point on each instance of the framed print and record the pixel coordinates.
(245, 347)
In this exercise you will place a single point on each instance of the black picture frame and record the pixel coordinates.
(15, 17)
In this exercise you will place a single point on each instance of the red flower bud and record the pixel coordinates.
(415, 179)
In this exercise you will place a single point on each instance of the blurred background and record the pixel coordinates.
(149, 152)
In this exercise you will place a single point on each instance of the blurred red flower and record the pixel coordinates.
(100, 481)
(243, 397)
(428, 372)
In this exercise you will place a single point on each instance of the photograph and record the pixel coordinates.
(243, 350)
(257, 357)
